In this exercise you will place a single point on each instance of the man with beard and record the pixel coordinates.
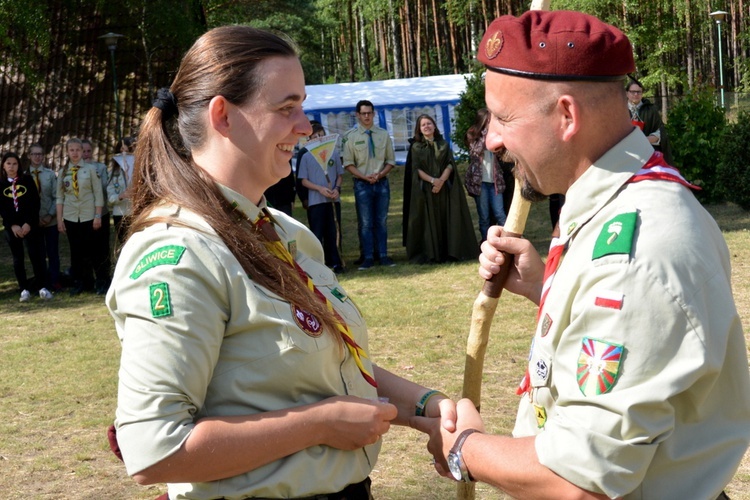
(637, 384)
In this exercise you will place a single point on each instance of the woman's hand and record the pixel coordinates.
(25, 229)
(17, 231)
(97, 223)
(60, 225)
(525, 277)
(437, 185)
(350, 423)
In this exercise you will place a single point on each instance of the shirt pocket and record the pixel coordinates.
(325, 281)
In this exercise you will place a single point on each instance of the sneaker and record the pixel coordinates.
(45, 294)
(25, 296)
(366, 264)
(339, 269)
(387, 261)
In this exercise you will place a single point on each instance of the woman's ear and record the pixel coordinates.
(218, 114)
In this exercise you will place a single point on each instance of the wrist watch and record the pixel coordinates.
(456, 460)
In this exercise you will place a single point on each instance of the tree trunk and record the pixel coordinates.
(396, 41)
(438, 37)
(350, 40)
(689, 45)
(364, 54)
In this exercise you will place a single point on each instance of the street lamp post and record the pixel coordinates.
(719, 16)
(110, 39)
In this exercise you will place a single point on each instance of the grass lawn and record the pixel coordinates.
(59, 361)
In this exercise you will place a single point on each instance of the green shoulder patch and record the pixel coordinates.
(616, 236)
(161, 302)
(167, 255)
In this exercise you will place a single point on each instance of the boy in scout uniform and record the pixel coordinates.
(637, 384)
(80, 201)
(369, 156)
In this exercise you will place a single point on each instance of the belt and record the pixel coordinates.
(356, 491)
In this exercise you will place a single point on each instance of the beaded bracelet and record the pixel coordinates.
(422, 403)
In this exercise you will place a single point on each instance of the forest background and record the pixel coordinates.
(57, 79)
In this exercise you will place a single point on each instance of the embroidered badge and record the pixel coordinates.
(542, 370)
(541, 415)
(161, 303)
(339, 294)
(572, 227)
(292, 247)
(307, 322)
(616, 236)
(494, 45)
(610, 299)
(546, 325)
(20, 191)
(598, 366)
(167, 255)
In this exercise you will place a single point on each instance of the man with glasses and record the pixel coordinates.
(46, 184)
(369, 156)
(645, 115)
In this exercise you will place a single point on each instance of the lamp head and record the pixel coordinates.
(110, 39)
(719, 16)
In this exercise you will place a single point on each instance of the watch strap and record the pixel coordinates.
(456, 450)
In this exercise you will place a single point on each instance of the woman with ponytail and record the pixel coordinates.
(245, 369)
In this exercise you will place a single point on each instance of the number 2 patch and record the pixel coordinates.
(161, 303)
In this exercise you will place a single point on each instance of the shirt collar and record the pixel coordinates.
(602, 180)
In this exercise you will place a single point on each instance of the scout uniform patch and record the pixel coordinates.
(598, 366)
(541, 415)
(161, 302)
(609, 299)
(339, 294)
(307, 322)
(546, 324)
(166, 255)
(616, 236)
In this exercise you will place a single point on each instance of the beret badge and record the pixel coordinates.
(494, 45)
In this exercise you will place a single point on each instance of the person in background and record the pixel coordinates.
(19, 209)
(485, 181)
(119, 189)
(244, 370)
(124, 156)
(46, 183)
(637, 383)
(439, 227)
(645, 115)
(369, 156)
(101, 253)
(80, 201)
(281, 195)
(324, 203)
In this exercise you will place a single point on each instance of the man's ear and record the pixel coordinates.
(570, 116)
(218, 114)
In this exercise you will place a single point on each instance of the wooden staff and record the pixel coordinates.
(486, 302)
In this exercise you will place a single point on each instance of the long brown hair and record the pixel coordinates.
(224, 61)
(476, 129)
(418, 129)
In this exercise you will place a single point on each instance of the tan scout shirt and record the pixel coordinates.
(200, 338)
(79, 208)
(639, 367)
(357, 150)
(47, 193)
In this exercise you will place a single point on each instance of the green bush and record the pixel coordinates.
(695, 128)
(733, 170)
(466, 111)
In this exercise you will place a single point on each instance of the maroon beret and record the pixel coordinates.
(556, 45)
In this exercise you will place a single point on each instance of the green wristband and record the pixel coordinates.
(422, 403)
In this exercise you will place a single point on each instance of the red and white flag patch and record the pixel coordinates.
(609, 299)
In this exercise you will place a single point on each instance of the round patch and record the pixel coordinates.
(307, 322)
(494, 45)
